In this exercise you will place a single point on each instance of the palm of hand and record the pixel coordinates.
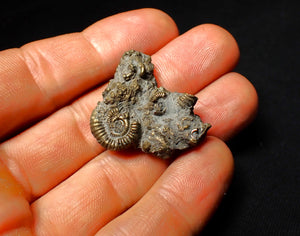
(55, 177)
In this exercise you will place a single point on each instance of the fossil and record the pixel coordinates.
(135, 113)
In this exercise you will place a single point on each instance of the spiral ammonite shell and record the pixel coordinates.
(114, 130)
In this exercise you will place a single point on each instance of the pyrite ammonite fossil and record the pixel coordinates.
(136, 113)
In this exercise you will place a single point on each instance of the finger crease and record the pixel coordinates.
(124, 177)
(93, 45)
(17, 172)
(110, 182)
(78, 116)
(33, 64)
(168, 196)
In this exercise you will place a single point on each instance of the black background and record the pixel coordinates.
(264, 197)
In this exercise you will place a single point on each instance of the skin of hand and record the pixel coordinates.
(54, 176)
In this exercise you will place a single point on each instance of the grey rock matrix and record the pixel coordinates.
(136, 113)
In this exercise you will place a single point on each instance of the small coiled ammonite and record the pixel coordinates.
(186, 100)
(136, 113)
(113, 130)
(158, 93)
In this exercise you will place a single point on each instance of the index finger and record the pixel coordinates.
(42, 76)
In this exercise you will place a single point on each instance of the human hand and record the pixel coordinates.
(56, 179)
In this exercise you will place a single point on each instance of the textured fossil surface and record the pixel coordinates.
(136, 113)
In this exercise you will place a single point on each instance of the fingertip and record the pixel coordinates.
(246, 101)
(229, 104)
(162, 23)
(209, 170)
(214, 159)
(153, 27)
(223, 158)
(248, 98)
(161, 18)
(196, 58)
(220, 35)
(226, 43)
